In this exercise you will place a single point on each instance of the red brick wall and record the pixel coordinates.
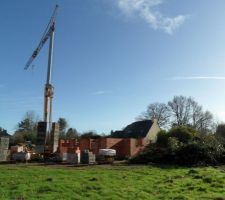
(65, 144)
(117, 144)
(125, 147)
(84, 143)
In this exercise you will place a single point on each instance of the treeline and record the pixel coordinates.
(181, 111)
(26, 130)
(183, 145)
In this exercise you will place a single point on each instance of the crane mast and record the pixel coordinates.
(49, 89)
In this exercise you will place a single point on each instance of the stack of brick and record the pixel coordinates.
(87, 157)
(4, 146)
(73, 155)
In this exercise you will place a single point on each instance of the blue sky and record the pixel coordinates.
(112, 58)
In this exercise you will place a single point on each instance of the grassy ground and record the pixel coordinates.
(26, 182)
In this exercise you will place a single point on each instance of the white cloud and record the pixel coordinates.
(100, 92)
(198, 78)
(145, 9)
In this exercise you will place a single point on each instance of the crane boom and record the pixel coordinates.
(47, 33)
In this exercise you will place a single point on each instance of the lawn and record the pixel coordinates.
(27, 182)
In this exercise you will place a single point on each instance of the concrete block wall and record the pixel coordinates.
(55, 136)
(4, 146)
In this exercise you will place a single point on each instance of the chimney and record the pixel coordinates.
(155, 120)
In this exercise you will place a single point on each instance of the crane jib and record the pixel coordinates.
(47, 34)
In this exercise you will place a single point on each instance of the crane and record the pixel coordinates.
(49, 89)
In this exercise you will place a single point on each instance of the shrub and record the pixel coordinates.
(162, 138)
(183, 134)
(183, 146)
(191, 154)
(220, 133)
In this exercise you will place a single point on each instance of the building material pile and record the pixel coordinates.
(106, 156)
(73, 155)
(52, 146)
(87, 157)
(21, 156)
(16, 149)
(54, 137)
(4, 146)
(22, 152)
(107, 152)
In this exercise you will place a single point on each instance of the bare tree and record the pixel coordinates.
(180, 111)
(201, 120)
(196, 112)
(159, 111)
(206, 123)
(187, 111)
(180, 107)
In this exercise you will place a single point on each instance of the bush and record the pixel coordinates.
(205, 151)
(192, 154)
(162, 138)
(183, 146)
(153, 154)
(183, 134)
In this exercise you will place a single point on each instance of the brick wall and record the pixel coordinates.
(84, 143)
(64, 145)
(136, 145)
(125, 147)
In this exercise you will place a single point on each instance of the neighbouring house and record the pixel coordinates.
(147, 129)
(128, 142)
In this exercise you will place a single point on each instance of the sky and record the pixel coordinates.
(111, 58)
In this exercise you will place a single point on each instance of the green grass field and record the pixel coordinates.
(26, 182)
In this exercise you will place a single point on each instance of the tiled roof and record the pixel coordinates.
(137, 129)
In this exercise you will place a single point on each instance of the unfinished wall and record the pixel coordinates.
(64, 145)
(125, 147)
